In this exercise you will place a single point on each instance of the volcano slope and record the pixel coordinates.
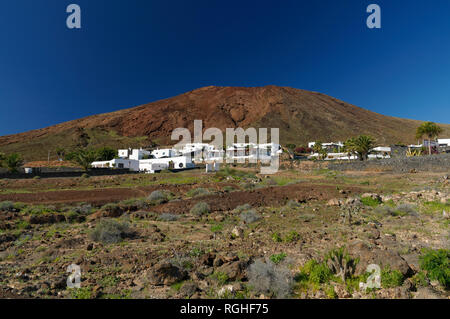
(301, 116)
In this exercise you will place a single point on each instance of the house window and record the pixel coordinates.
(120, 165)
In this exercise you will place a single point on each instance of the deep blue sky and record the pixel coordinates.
(131, 52)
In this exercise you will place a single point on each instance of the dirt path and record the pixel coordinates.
(276, 196)
(219, 202)
(97, 196)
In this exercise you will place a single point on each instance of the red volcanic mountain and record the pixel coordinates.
(301, 116)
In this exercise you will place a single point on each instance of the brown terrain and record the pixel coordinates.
(301, 116)
(151, 240)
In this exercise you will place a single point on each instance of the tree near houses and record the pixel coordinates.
(362, 146)
(106, 154)
(84, 158)
(430, 130)
(350, 147)
(13, 162)
(318, 148)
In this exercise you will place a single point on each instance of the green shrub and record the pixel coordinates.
(200, 209)
(331, 294)
(436, 206)
(292, 236)
(6, 206)
(22, 224)
(39, 209)
(277, 258)
(83, 209)
(341, 263)
(276, 237)
(195, 192)
(110, 231)
(391, 278)
(196, 252)
(220, 277)
(157, 197)
(420, 279)
(216, 228)
(436, 264)
(72, 217)
(369, 201)
(82, 293)
(319, 273)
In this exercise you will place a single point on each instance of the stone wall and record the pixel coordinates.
(436, 163)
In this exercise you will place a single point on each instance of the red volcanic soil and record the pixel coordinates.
(218, 202)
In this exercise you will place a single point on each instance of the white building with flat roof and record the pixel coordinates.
(444, 142)
(166, 152)
(176, 163)
(132, 165)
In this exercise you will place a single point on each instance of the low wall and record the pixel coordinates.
(436, 163)
(55, 173)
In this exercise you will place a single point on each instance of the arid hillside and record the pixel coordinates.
(301, 116)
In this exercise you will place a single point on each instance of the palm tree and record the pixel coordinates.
(350, 147)
(362, 146)
(13, 162)
(318, 148)
(84, 158)
(430, 130)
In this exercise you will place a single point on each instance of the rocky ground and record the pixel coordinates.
(234, 234)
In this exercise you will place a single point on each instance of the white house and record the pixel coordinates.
(143, 160)
(179, 162)
(138, 154)
(124, 153)
(131, 164)
(240, 151)
(162, 153)
(149, 167)
(200, 152)
(329, 146)
(444, 142)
